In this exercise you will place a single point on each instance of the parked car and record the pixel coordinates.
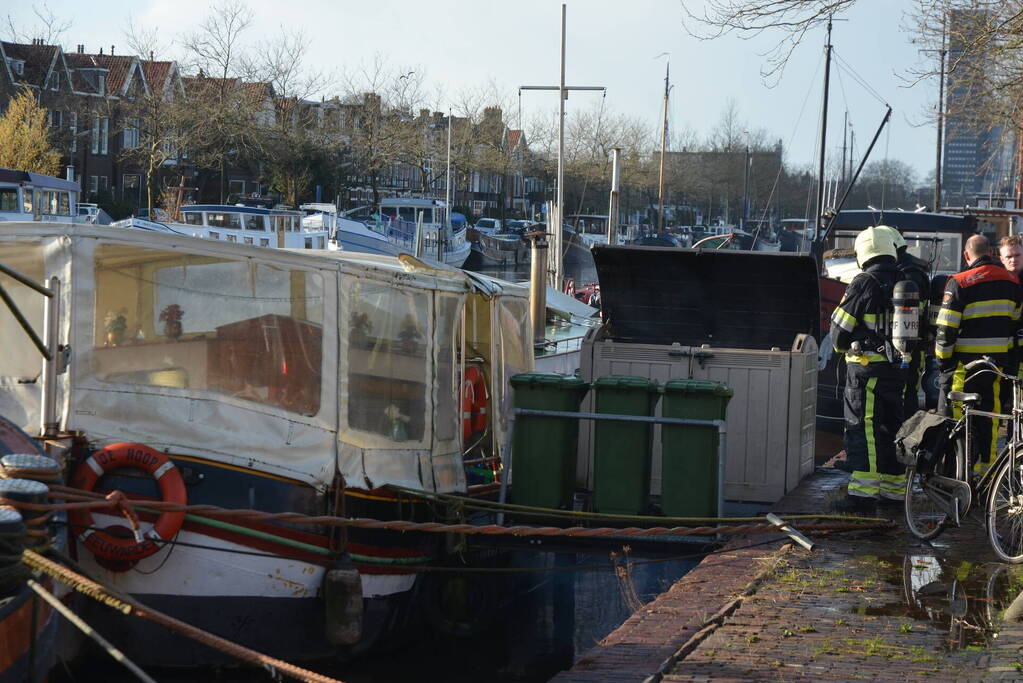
(488, 225)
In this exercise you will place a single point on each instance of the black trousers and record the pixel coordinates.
(874, 397)
(911, 399)
(983, 430)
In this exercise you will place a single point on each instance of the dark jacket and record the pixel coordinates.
(979, 316)
(863, 311)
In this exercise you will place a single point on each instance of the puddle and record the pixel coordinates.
(969, 601)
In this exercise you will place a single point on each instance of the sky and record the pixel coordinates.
(459, 44)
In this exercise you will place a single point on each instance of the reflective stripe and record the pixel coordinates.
(996, 407)
(868, 423)
(94, 466)
(864, 484)
(162, 470)
(958, 383)
(948, 318)
(983, 344)
(843, 319)
(851, 357)
(85, 535)
(893, 486)
(943, 350)
(986, 309)
(870, 321)
(153, 534)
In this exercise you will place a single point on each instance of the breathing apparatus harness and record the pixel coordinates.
(898, 327)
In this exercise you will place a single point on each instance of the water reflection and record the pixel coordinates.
(547, 615)
(971, 602)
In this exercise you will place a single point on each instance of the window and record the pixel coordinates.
(100, 134)
(27, 201)
(53, 80)
(236, 187)
(245, 330)
(56, 118)
(72, 126)
(20, 361)
(254, 222)
(8, 199)
(98, 183)
(388, 361)
(219, 219)
(130, 136)
(193, 217)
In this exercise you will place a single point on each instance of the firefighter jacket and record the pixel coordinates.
(864, 314)
(979, 316)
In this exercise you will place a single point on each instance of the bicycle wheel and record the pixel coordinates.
(924, 516)
(1005, 510)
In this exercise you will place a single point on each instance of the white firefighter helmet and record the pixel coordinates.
(897, 239)
(873, 242)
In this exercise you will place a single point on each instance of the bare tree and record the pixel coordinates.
(47, 27)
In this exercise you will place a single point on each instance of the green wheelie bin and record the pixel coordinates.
(544, 448)
(621, 450)
(689, 453)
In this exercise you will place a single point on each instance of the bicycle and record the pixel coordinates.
(940, 494)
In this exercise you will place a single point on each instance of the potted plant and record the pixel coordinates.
(115, 324)
(171, 316)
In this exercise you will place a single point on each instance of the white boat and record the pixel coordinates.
(272, 379)
(237, 224)
(399, 218)
(27, 196)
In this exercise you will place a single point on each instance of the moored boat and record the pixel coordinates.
(275, 380)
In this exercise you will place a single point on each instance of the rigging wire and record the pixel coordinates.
(859, 79)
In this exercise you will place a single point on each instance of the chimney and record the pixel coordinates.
(111, 50)
(81, 49)
(150, 55)
(101, 50)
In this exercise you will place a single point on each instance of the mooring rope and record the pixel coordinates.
(128, 605)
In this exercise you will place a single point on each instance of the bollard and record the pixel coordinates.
(342, 599)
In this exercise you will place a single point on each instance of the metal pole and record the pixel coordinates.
(824, 136)
(562, 95)
(941, 121)
(664, 144)
(612, 212)
(538, 287)
(789, 531)
(51, 330)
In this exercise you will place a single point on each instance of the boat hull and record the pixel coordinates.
(22, 657)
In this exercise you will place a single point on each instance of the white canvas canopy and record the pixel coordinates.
(298, 364)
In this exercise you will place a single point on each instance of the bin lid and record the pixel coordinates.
(625, 382)
(725, 298)
(545, 379)
(698, 386)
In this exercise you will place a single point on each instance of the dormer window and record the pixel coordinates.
(53, 80)
(17, 66)
(102, 84)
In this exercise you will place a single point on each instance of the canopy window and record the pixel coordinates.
(388, 361)
(238, 328)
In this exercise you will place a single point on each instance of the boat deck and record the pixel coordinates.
(865, 605)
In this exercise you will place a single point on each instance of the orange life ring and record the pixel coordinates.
(474, 402)
(102, 543)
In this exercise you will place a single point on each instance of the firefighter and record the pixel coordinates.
(979, 316)
(915, 270)
(874, 383)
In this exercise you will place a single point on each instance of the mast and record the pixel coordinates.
(845, 137)
(941, 119)
(824, 134)
(664, 146)
(447, 188)
(745, 189)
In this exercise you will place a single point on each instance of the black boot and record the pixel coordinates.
(855, 505)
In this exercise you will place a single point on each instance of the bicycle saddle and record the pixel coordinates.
(963, 397)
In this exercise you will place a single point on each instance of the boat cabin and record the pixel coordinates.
(433, 211)
(27, 196)
(257, 226)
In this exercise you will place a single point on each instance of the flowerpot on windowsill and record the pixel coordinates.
(172, 329)
(115, 337)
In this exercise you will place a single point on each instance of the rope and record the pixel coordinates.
(128, 605)
(437, 527)
(35, 473)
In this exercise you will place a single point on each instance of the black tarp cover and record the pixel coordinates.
(724, 298)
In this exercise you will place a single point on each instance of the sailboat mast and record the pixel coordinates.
(664, 147)
(824, 133)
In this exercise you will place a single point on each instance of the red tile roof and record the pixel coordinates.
(157, 74)
(37, 58)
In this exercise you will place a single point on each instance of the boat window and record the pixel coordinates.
(221, 219)
(448, 418)
(407, 213)
(20, 360)
(64, 204)
(26, 200)
(254, 221)
(388, 360)
(389, 211)
(246, 330)
(8, 199)
(193, 217)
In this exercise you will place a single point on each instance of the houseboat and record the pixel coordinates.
(238, 224)
(399, 218)
(27, 196)
(269, 379)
